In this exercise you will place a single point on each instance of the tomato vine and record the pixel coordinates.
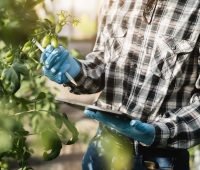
(27, 105)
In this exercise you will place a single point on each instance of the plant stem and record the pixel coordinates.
(20, 113)
(29, 111)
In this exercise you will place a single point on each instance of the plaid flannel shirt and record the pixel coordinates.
(146, 62)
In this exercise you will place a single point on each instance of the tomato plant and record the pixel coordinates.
(27, 105)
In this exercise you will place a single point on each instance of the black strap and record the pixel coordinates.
(161, 152)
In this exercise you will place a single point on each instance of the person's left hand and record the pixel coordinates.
(135, 129)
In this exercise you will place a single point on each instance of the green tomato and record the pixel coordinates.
(45, 41)
(54, 42)
(9, 53)
(9, 57)
(31, 54)
(27, 47)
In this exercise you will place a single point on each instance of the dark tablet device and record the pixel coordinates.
(83, 106)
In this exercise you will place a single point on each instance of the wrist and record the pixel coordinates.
(74, 68)
(143, 132)
(149, 140)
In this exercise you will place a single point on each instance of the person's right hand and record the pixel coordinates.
(56, 62)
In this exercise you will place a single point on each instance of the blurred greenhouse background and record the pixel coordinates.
(82, 39)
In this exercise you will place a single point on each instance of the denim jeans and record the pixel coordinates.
(108, 150)
(164, 159)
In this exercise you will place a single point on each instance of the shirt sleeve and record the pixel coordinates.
(91, 78)
(180, 128)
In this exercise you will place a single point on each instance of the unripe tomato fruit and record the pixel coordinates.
(45, 41)
(27, 46)
(9, 57)
(54, 42)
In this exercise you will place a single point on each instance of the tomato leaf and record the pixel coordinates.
(58, 121)
(21, 68)
(53, 154)
(11, 80)
(40, 96)
(72, 129)
(52, 143)
(11, 77)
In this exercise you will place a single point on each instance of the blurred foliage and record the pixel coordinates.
(17, 20)
(27, 105)
(194, 157)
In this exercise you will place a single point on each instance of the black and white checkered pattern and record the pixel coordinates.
(150, 71)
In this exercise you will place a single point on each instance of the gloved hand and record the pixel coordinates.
(135, 129)
(57, 61)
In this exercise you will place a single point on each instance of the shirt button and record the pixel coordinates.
(148, 10)
(135, 65)
(149, 50)
(140, 83)
(149, 46)
(174, 47)
(141, 37)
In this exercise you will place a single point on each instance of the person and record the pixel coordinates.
(146, 64)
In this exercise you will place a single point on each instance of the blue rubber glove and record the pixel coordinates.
(135, 129)
(57, 61)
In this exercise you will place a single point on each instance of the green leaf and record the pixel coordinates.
(1, 89)
(58, 121)
(72, 129)
(11, 80)
(48, 22)
(4, 4)
(6, 141)
(41, 96)
(11, 77)
(53, 154)
(35, 122)
(22, 100)
(21, 69)
(52, 143)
